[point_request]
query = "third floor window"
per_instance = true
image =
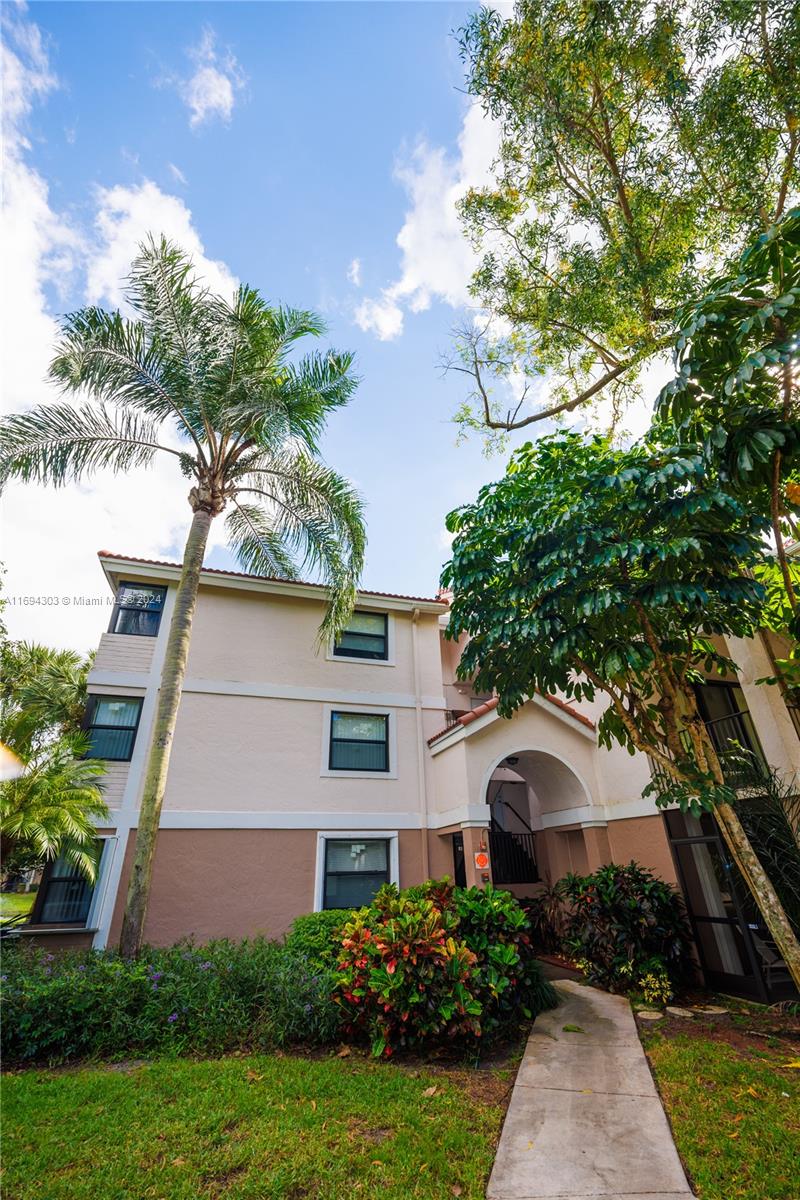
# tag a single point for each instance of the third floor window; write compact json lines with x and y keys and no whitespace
{"x":366,"y":636}
{"x":138,"y":609}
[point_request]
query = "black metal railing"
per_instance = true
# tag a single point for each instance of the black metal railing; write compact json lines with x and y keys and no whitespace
{"x":513,"y":857}
{"x":736,"y":742}
{"x":737,"y":746}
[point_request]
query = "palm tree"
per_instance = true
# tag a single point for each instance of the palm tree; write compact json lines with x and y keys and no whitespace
{"x":42,"y":692}
{"x":248,"y":415}
{"x":50,"y":806}
{"x":53,"y":808}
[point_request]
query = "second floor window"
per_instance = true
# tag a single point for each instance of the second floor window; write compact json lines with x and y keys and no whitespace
{"x":359,"y":742}
{"x":366,"y":636}
{"x":138,"y":609}
{"x":112,"y":725}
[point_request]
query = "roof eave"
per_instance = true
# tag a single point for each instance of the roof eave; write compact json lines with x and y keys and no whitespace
{"x":117,"y":567}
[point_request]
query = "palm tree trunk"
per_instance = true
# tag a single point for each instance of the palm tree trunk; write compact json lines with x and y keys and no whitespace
{"x":169,"y":697}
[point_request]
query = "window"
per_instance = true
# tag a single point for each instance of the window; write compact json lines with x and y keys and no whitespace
{"x":366,"y":636}
{"x":354,"y":870}
{"x":64,"y":896}
{"x":359,"y":742}
{"x":138,"y":609}
{"x":112,"y":727}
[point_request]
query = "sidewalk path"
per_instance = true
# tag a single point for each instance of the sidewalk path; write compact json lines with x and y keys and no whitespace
{"x":585,"y":1121}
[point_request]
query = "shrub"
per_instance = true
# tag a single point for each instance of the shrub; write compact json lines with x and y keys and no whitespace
{"x":316,"y":936}
{"x":624,"y":923}
{"x":546,"y":915}
{"x":509,"y":979}
{"x":436,"y":962}
{"x":185,"y":999}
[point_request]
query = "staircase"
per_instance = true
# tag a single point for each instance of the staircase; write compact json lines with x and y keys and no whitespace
{"x":513,"y":853}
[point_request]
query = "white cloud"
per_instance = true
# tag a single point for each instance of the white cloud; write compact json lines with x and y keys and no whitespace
{"x":210,"y":91}
{"x":437,"y":260}
{"x":125,"y":215}
{"x":354,"y":272}
{"x":177,"y":174}
{"x":51,"y":538}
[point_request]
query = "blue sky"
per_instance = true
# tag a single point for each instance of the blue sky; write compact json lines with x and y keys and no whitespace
{"x":288,"y":145}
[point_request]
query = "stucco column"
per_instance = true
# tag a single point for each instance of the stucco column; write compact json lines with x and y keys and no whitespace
{"x":598,"y":849}
{"x":476,"y":840}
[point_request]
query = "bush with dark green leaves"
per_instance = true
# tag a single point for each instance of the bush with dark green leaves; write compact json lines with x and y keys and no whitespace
{"x":623,"y":924}
{"x":316,"y":935}
{"x":436,"y":963}
{"x":186,"y":999}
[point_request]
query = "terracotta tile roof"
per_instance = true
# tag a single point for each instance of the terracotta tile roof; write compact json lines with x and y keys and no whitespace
{"x":156,"y":562}
{"x":473,"y":715}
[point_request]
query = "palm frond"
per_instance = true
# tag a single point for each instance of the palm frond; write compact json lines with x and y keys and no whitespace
{"x":320,"y":517}
{"x":56,"y":805}
{"x":56,"y":443}
{"x":119,"y":361}
{"x":257,"y":543}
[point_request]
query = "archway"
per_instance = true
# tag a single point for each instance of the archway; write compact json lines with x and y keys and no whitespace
{"x":538,"y":805}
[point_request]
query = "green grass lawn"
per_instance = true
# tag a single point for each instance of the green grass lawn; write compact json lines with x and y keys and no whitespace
{"x":270,"y":1126}
{"x":13,"y":903}
{"x":734,"y":1107}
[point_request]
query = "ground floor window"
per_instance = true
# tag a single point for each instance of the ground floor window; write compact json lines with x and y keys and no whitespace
{"x":355,"y":868}
{"x":65,"y":895}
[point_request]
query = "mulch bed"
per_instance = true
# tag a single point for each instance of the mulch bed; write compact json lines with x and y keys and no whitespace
{"x":748,"y":1028}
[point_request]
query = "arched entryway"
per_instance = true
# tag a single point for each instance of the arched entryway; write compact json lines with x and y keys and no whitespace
{"x":538,"y":804}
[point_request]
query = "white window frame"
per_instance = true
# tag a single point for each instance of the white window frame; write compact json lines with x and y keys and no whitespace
{"x":345,"y":835}
{"x":326,"y":772}
{"x":389,"y":661}
{"x":107,"y":854}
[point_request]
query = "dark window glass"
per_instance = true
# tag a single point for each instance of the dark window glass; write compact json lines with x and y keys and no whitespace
{"x":138,"y":609}
{"x":354,"y":871}
{"x":359,"y":742}
{"x":364,"y":637}
{"x":722,"y":707}
{"x":112,"y":727}
{"x":65,"y":895}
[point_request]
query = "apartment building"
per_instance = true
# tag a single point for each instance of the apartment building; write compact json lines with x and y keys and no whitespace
{"x":304,"y":777}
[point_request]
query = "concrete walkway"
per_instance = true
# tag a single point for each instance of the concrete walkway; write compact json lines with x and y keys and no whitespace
{"x":585,"y":1120}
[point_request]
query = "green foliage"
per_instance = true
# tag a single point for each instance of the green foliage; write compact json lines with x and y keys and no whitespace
{"x":316,"y":935}
{"x":655,"y":987}
{"x":545,"y":913}
{"x":186,"y":999}
{"x":589,"y":570}
{"x":419,"y":968}
{"x":642,"y":147}
{"x":42,"y":693}
{"x":54,"y":807}
{"x":735,"y":354}
{"x":627,"y":929}
{"x":737,"y":392}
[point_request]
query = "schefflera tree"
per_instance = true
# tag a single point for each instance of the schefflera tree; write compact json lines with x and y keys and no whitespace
{"x":593,"y":570}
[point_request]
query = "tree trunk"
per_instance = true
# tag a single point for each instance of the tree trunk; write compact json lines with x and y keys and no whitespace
{"x":757,"y":880}
{"x":169,"y":698}
{"x":759,"y":883}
